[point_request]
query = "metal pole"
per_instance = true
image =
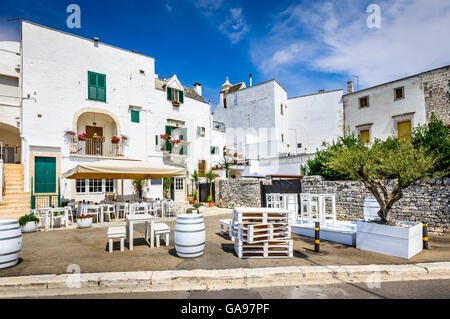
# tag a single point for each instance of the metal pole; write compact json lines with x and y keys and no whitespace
{"x":317,"y":238}
{"x":425,"y":235}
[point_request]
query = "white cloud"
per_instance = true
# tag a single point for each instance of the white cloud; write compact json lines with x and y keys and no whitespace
{"x":334,"y":38}
{"x":235,"y":27}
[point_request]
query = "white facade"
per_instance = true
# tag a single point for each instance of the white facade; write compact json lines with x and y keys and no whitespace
{"x":384,"y":111}
{"x":266,"y":127}
{"x":56,"y":67}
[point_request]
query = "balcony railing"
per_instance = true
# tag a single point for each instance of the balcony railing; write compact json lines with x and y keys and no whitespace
{"x":92,"y":147}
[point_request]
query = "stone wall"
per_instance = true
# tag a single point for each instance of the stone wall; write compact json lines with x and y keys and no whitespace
{"x":436,"y":87}
{"x":423,"y":201}
{"x":238,"y":193}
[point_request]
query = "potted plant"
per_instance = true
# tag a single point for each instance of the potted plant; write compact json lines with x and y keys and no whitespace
{"x":115,"y":140}
{"x":373,"y":166}
{"x":175,"y":103}
{"x":210,"y":201}
{"x":82,"y":137}
{"x":195,"y":197}
{"x":210,"y":176}
{"x":198,"y":206}
{"x":85,"y":221}
{"x":28,"y":223}
{"x":70,"y":134}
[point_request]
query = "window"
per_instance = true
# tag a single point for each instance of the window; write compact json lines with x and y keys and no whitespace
{"x":179,"y":184}
{"x":214,"y":150}
{"x":224,"y":102}
{"x":109,"y":185}
{"x":364,"y":101}
{"x":404,"y":131}
{"x":175,"y":95}
{"x":80,"y":186}
{"x":282,"y":109}
{"x":365,"y":136}
{"x":97,"y":86}
{"x":158,"y":181}
{"x":135,"y":116}
{"x":201,"y":131}
{"x":299,"y":145}
{"x":399,"y":93}
{"x":282,"y":138}
{"x":95,"y":186}
{"x":202,"y":168}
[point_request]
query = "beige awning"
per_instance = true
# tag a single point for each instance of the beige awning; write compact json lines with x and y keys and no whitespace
{"x":123,"y":169}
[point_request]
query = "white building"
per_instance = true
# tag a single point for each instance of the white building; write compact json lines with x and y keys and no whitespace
{"x":73,"y":85}
{"x":276,"y":134}
{"x":395,"y":108}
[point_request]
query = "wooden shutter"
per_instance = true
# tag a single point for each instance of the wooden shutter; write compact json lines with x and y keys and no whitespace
{"x":168,"y":145}
{"x":365,"y":136}
{"x":183,"y":137}
{"x":135,"y":116}
{"x":156,"y":140}
{"x":169,"y":94}
{"x":101,"y":87}
{"x":404,"y":131}
{"x":181,"y":96}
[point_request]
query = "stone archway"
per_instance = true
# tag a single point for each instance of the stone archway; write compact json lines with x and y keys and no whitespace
{"x":97,"y":111}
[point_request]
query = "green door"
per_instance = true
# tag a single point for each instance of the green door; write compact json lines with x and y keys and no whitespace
{"x":45,"y":175}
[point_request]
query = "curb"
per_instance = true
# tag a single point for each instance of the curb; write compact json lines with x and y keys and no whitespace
{"x":201,"y":279}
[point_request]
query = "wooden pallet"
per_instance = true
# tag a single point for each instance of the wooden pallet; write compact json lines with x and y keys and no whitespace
{"x":268,"y":249}
{"x":250,"y":235}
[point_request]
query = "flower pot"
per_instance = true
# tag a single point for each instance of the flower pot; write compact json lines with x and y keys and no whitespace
{"x":84,"y":223}
{"x":211,"y":204}
{"x":29,"y":227}
{"x":397,"y":241}
{"x":195,"y":201}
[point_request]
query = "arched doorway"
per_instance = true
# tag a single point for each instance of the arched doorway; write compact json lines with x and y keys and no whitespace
{"x":10,"y":144}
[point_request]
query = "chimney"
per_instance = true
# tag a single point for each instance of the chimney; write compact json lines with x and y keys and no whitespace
{"x":198,"y":88}
{"x":349,"y":87}
{"x":251,"y":80}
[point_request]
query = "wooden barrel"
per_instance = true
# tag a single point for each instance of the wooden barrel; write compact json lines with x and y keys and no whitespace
{"x":10,"y":243}
{"x":371,"y":208}
{"x":190,"y":235}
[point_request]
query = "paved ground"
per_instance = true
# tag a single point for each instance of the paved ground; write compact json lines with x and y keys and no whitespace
{"x":424,"y":289}
{"x":52,"y":252}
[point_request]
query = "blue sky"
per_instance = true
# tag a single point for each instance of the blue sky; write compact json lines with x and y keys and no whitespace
{"x":305,"y":45}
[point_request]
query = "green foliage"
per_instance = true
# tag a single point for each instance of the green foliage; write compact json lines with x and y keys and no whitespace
{"x":194,"y":195}
{"x":167,"y":183}
{"x":317,"y":165}
{"x":372,"y":165}
{"x":28,"y":218}
{"x":138,"y":186}
{"x":210,"y":199}
{"x":435,"y":137}
{"x":210,"y":177}
{"x":197,"y":206}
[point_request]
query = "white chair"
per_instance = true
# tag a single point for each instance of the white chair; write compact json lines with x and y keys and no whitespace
{"x":60,"y":216}
{"x":69,"y":212}
{"x":108,"y":210}
{"x":162,"y":229}
{"x":224,"y":223}
{"x":171,"y":208}
{"x":307,"y":207}
{"x":116,"y":232}
{"x":122,"y":210}
{"x":92,"y":210}
{"x":136,"y":209}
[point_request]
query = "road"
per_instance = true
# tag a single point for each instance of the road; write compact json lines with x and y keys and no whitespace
{"x":434,"y":289}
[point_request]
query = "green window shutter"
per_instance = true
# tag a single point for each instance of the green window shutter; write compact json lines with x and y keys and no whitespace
{"x":156,"y":140}
{"x":181,"y":96}
{"x":96,"y":86}
{"x":168,"y":145}
{"x":101,"y":87}
{"x":135,"y":116}
{"x":169,"y":94}
{"x":183,"y":137}
{"x":92,"y":85}
{"x":213,"y":150}
{"x":45,"y":175}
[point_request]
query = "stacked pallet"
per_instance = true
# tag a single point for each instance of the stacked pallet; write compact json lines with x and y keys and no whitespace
{"x":261,"y":233}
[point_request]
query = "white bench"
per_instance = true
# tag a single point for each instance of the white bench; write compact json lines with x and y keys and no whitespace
{"x":116,"y":232}
{"x":224,"y":223}
{"x":162,"y":229}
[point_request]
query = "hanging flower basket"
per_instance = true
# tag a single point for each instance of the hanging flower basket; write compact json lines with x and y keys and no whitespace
{"x":99,"y":139}
{"x":115,"y":140}
{"x":175,"y":103}
{"x":124,"y":138}
{"x":82,"y":137}
{"x":69,"y":133}
{"x":165,"y":136}
{"x":175,"y":141}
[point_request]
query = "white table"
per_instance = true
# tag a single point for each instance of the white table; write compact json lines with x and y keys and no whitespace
{"x":146,"y":219}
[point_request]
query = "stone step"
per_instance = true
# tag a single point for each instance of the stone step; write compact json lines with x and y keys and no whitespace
{"x":18,"y":195}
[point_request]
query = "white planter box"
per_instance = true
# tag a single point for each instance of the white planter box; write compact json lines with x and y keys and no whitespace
{"x":29,"y":227}
{"x":403,"y":242}
{"x":84,"y":223}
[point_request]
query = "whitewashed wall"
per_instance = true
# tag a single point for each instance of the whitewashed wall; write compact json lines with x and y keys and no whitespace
{"x":382,"y":107}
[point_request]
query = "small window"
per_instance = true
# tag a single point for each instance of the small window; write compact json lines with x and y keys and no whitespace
{"x":299,"y":145}
{"x":179,"y":184}
{"x":399,"y":93}
{"x":95,"y":186}
{"x":365,"y":136}
{"x":282,"y":109}
{"x":282,"y":138}
{"x":175,"y":95}
{"x":224,"y":102}
{"x":135,"y":116}
{"x":364,"y":101}
{"x":81,"y":186}
{"x":201,"y":131}
{"x":157,"y":181}
{"x":96,"y":86}
{"x":214,"y":150}
{"x":109,"y":185}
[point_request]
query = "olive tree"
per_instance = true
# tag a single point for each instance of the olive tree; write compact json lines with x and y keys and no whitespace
{"x":373,"y":165}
